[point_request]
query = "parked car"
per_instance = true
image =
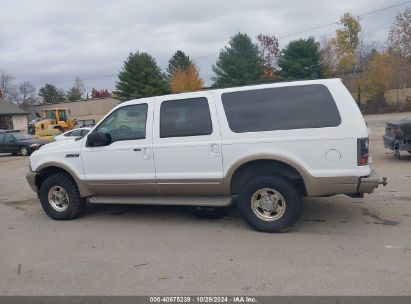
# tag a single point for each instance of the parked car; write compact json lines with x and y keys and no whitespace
{"x":397,"y":136}
{"x":19,"y":143}
{"x":72,"y":134}
{"x":262,"y":147}
{"x":81,"y":123}
{"x":9,"y":131}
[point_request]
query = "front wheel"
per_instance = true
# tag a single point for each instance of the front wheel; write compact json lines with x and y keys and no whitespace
{"x":60,"y":198}
{"x":269,"y":203}
{"x":24,"y":151}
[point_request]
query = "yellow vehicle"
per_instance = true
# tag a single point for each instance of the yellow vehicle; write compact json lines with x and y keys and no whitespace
{"x":52,"y":123}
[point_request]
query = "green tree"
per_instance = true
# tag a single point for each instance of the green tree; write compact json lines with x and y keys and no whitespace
{"x":301,"y":59}
{"x":50,"y":94}
{"x":140,"y":77}
{"x":238,"y":64}
{"x":178,"y":61}
{"x":74,"y":94}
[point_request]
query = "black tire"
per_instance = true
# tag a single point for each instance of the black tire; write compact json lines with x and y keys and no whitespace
{"x":76,"y":204}
{"x":24,"y":151}
{"x":289,"y":192}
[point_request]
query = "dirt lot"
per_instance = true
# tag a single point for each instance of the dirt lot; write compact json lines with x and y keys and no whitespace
{"x":340,"y":246}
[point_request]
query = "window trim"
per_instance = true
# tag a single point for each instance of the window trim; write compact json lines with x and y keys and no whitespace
{"x":185,"y":99}
{"x":118,"y":109}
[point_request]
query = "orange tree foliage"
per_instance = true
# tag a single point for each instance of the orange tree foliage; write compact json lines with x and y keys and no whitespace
{"x":377,"y":75}
{"x":187,"y":80}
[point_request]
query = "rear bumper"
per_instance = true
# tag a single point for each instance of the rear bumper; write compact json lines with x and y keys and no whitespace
{"x":31,"y":179}
{"x":369,"y":183}
{"x":397,"y":144}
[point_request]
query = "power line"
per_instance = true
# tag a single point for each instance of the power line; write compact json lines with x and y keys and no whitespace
{"x":337,"y":22}
{"x":280,"y":37}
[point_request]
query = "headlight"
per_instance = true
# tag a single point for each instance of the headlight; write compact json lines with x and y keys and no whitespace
{"x":34,"y":146}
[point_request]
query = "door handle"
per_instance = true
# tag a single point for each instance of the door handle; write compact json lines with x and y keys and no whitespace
{"x":137,"y":149}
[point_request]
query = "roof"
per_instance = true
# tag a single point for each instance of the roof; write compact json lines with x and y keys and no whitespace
{"x":235,"y":89}
{"x":8,"y":108}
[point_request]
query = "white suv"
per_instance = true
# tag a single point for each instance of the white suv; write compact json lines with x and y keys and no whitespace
{"x":262,"y":147}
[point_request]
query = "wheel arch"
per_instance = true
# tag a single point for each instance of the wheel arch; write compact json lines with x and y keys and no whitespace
{"x":48,"y":169}
{"x":252,"y":166}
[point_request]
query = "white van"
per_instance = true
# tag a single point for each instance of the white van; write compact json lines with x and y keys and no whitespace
{"x":262,"y":147}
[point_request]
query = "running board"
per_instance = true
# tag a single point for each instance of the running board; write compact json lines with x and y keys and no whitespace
{"x":212,"y":201}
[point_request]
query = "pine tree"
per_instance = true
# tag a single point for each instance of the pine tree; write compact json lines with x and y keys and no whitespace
{"x":238,"y":64}
{"x":50,"y":94}
{"x":140,"y":77}
{"x":74,"y":94}
{"x":178,"y":61}
{"x":301,"y":59}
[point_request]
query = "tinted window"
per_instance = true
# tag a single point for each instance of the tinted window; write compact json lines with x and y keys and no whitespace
{"x":126,"y":123}
{"x":75,"y":133}
{"x":296,"y":107}
{"x":185,"y":117}
{"x":1,"y":137}
{"x":8,"y":138}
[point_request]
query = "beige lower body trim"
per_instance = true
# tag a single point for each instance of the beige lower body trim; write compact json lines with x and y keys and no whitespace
{"x":198,"y":187}
{"x":323,"y":186}
{"x":115,"y":188}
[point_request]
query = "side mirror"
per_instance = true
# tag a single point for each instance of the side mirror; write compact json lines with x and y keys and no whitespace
{"x":98,"y":139}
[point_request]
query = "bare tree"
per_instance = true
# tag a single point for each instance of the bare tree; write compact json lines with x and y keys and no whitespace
{"x":27,"y":94}
{"x":6,"y":85}
{"x":399,"y":40}
{"x":328,"y":56}
{"x":79,"y":85}
{"x":400,"y":33}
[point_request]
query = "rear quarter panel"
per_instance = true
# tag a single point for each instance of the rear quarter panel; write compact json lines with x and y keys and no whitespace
{"x":305,"y":147}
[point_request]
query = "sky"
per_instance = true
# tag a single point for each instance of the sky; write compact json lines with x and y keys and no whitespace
{"x":47,"y":41}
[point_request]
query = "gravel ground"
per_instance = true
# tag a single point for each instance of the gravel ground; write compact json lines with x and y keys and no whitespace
{"x":340,"y":246}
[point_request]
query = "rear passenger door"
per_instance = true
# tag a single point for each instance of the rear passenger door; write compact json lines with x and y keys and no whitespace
{"x":187,"y":146}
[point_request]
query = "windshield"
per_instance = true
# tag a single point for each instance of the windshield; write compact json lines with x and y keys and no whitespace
{"x":22,"y":136}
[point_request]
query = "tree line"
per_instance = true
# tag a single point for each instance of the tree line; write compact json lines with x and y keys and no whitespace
{"x":368,"y":68}
{"x":25,"y":94}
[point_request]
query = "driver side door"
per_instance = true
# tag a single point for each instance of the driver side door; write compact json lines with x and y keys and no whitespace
{"x":126,"y":165}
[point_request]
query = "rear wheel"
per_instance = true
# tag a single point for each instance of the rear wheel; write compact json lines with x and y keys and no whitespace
{"x":60,"y":198}
{"x":269,"y":203}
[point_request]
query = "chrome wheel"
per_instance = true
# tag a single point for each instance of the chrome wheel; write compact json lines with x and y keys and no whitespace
{"x":24,"y":151}
{"x":58,"y":198}
{"x":268,"y":204}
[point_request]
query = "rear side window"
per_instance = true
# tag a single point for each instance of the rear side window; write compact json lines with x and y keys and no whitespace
{"x":185,"y":117}
{"x":285,"y":108}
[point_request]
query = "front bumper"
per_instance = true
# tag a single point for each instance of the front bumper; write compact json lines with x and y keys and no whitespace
{"x":369,"y":183}
{"x":31,"y":179}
